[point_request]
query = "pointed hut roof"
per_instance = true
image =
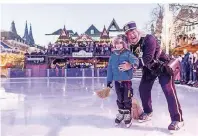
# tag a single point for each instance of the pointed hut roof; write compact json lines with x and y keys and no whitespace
{"x":113,"y":26}
{"x":92,"y":31}
{"x":104,"y":37}
{"x":64,"y":36}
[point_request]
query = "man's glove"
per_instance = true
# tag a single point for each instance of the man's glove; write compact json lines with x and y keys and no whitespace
{"x":104,"y":93}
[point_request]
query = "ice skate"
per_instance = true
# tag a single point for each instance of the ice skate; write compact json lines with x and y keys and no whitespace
{"x":145,"y":117}
{"x":189,"y":82}
{"x":119,"y":117}
{"x":176,"y":126}
{"x":195,"y":84}
{"x":127,"y":118}
{"x":192,"y":83}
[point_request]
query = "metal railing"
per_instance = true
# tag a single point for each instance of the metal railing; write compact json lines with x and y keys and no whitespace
{"x":64,"y":73}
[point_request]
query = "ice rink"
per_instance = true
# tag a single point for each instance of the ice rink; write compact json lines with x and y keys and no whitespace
{"x":69,"y":107}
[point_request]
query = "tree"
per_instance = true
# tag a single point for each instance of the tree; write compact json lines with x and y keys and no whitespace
{"x":155,"y":15}
{"x":188,"y":17}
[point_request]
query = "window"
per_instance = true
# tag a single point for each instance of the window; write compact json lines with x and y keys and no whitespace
{"x":193,"y":27}
{"x":92,"y":31}
{"x":189,"y":28}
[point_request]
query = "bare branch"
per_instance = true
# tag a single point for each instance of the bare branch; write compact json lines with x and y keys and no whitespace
{"x":189,"y":18}
{"x":188,"y":22}
{"x":195,"y":6}
{"x":154,"y":17}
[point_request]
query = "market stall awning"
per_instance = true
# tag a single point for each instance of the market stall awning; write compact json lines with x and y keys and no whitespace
{"x":4,"y":45}
{"x":189,"y":48}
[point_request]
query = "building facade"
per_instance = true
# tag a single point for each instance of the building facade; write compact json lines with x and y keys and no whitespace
{"x":93,"y":32}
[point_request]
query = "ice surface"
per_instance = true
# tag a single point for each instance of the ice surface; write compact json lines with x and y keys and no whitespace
{"x":60,"y":107}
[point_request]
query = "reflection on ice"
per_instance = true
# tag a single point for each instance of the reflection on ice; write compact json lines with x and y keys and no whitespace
{"x":59,"y":106}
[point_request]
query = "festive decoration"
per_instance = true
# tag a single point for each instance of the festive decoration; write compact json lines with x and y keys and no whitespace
{"x":10,"y":60}
{"x":84,"y":38}
{"x":8,"y":65}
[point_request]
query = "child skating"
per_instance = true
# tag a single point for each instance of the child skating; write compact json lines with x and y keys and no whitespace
{"x":123,"y":84}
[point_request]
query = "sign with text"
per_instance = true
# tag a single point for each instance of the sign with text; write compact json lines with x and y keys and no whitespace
{"x":35,"y":59}
{"x":82,"y":54}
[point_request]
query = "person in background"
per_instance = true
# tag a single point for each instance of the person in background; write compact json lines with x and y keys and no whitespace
{"x":186,"y":66}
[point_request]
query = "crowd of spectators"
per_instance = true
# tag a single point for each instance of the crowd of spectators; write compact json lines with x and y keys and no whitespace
{"x":66,"y":49}
{"x":189,"y":61}
{"x":189,"y":69}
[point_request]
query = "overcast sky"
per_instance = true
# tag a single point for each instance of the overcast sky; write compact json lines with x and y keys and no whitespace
{"x":47,"y":18}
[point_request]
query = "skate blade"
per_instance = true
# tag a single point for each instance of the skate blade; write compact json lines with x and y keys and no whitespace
{"x":142,"y":121}
{"x":129,"y":125}
{"x":117,"y":124}
{"x":177,"y":131}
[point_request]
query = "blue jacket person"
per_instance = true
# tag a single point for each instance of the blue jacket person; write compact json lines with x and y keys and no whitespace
{"x":123,"y":84}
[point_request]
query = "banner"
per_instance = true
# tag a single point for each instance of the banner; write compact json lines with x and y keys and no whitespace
{"x":35,"y":59}
{"x":82,"y":54}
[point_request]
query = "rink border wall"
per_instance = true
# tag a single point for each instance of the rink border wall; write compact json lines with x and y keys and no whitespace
{"x":60,"y":78}
{"x":64,"y":73}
